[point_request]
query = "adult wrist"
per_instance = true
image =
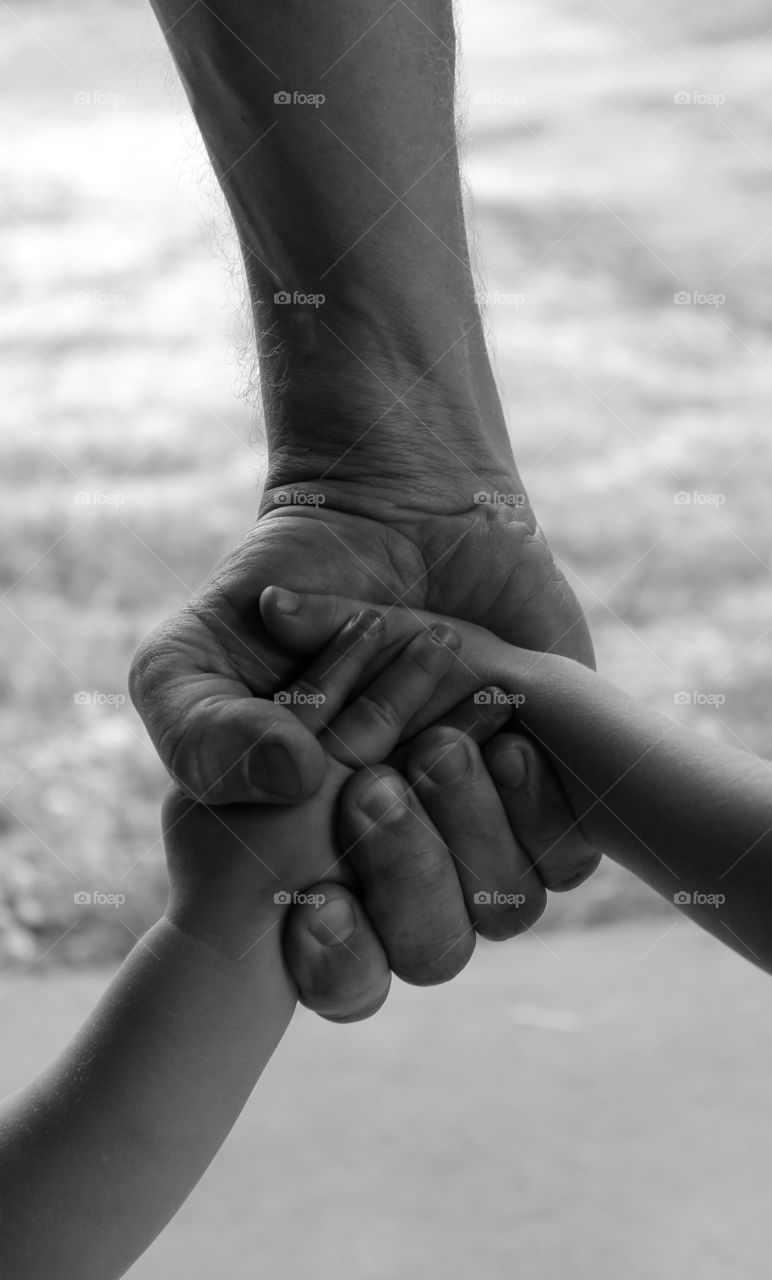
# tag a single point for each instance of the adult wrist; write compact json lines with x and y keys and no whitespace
{"x":381,"y":415}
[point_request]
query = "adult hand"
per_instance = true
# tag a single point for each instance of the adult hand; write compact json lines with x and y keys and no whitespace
{"x":346,"y":983}
{"x":501,"y":815}
{"x":203,"y":680}
{"x":235,"y":869}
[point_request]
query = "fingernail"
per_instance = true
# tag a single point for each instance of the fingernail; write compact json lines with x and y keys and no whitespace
{"x":445,"y":635}
{"x":333,"y":922}
{"x":285,"y":601}
{"x":271,"y":768}
{"x":366,"y":622}
{"x":509,"y":767}
{"x":449,"y":766}
{"x":384,"y":800}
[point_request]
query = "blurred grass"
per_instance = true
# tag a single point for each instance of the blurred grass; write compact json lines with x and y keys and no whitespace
{"x":597,"y":199}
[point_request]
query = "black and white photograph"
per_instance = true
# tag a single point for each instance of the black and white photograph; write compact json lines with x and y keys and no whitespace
{"x":386,"y":585}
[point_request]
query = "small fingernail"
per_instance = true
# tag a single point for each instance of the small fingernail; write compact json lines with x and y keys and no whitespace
{"x":445,"y":635}
{"x":364,"y":623}
{"x":285,"y":601}
{"x":333,"y":922}
{"x":509,"y":767}
{"x":450,"y":765}
{"x":384,"y":800}
{"x":271,"y":768}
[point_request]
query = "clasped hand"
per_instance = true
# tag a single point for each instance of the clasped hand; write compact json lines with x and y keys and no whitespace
{"x":412,"y":845}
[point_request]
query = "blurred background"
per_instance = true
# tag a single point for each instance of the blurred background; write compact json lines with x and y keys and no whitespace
{"x":592,"y":1100}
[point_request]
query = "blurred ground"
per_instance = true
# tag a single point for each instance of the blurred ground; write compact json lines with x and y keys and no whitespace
{"x":125,"y":450}
{"x":452,"y":1136}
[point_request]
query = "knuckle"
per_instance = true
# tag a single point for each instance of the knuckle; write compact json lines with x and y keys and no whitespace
{"x":438,"y":737}
{"x":402,"y":869}
{"x":430,"y":744}
{"x":158,"y":655}
{"x":386,"y":864}
{"x":139,"y":671}
{"x":427,"y":653}
{"x":196,"y":755}
{"x":179,"y":751}
{"x":381,"y":711}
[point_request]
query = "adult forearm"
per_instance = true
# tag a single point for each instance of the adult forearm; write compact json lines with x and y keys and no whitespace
{"x":332,"y":131}
{"x":99,"y":1152}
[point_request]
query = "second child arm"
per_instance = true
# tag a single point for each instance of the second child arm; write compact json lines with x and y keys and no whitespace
{"x":685,"y":814}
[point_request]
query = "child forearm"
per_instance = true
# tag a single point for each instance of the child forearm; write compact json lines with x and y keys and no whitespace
{"x":99,"y":1152}
{"x":685,"y":814}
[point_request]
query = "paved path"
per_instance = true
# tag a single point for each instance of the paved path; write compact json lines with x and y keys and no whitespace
{"x":594,"y":1105}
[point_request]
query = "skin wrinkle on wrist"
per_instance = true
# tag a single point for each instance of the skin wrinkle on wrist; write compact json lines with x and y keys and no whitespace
{"x":234,"y":933}
{"x":346,"y":427}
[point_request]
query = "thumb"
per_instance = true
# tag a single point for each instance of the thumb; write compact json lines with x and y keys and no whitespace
{"x":219,"y":742}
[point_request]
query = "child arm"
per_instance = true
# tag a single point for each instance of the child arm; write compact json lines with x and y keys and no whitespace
{"x":691,"y":817}
{"x":99,"y":1152}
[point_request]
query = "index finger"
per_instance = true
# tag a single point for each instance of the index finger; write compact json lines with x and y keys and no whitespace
{"x":320,"y":691}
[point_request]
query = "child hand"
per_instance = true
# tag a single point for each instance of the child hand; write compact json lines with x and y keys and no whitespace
{"x":235,"y":869}
{"x":539,"y":813}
